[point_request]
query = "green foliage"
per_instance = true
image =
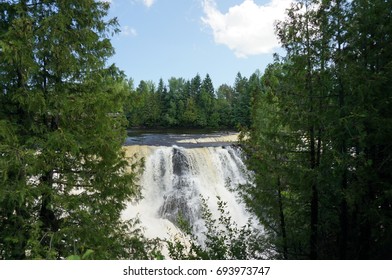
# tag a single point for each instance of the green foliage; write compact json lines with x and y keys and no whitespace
{"x":64,"y":178}
{"x":191,"y":104}
{"x":221,"y":239}
{"x":318,"y":141}
{"x":316,"y":127}
{"x":86,"y":256}
{"x":241,"y":102}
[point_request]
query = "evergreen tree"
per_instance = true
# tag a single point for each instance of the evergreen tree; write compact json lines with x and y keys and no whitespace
{"x":64,"y":178}
{"x":195,"y":86}
{"x":318,"y":140}
{"x":241,"y":102}
{"x":206,"y":104}
{"x":224,"y":105}
{"x":367,"y":120}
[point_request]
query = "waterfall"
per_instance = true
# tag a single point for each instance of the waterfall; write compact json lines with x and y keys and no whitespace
{"x":175,"y":178}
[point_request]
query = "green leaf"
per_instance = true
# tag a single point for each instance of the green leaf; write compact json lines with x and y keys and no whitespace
{"x":73,"y":258}
{"x":88,"y":254}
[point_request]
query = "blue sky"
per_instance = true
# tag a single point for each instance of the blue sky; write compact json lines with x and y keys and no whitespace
{"x":180,"y":38}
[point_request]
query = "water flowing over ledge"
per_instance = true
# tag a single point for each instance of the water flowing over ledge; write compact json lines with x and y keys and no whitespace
{"x":176,"y":177}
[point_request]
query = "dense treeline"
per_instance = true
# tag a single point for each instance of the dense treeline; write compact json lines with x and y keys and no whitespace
{"x":320,"y":140}
{"x":190,"y":104}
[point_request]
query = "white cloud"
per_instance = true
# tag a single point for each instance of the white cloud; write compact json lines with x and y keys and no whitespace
{"x":128,"y":31}
{"x":148,"y":3}
{"x":248,"y":28}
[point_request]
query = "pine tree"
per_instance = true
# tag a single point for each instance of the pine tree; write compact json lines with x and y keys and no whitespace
{"x":266,"y":145}
{"x":368,"y":128}
{"x":64,"y":178}
{"x":241,"y":102}
{"x":206,"y":103}
{"x":318,"y":143}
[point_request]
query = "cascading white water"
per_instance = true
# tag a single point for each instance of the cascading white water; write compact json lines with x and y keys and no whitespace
{"x":174,"y":179}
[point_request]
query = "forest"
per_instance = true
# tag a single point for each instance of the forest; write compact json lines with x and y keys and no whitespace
{"x":315,"y":126}
{"x":190,"y":104}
